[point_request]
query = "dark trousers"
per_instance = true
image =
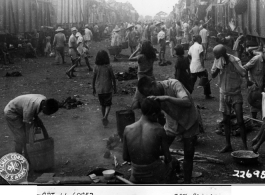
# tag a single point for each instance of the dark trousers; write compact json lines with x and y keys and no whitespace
{"x":207,"y":88}
{"x":60,"y":50}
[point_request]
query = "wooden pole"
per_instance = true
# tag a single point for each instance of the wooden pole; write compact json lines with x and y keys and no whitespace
{"x":254,"y":119}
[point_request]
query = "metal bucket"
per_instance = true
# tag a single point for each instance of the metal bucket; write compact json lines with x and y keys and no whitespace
{"x":125,"y":45}
{"x":124,"y":118}
{"x":203,"y":82}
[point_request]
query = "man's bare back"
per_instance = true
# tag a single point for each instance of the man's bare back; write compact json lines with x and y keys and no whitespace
{"x":143,"y":142}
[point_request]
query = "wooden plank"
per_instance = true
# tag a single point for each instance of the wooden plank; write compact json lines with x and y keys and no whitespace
{"x":66,"y":180}
{"x":47,"y":175}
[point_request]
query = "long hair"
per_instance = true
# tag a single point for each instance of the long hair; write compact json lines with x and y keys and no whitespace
{"x":148,"y":50}
{"x":102,"y":58}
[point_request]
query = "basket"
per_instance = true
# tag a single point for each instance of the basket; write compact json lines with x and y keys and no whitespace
{"x":185,"y":46}
{"x":41,"y":152}
{"x":114,"y":50}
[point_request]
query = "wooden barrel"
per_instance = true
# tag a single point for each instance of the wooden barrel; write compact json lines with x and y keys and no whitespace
{"x":124,"y":118}
{"x":41,"y":152}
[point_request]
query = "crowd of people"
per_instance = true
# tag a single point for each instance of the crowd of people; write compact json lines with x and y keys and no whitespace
{"x":168,"y":108}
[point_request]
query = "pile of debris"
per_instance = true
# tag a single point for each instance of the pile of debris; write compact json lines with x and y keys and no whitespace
{"x":235,"y":129}
{"x":113,"y":141}
{"x":128,"y":89}
{"x":13,"y":74}
{"x":70,"y":103}
{"x":131,"y":74}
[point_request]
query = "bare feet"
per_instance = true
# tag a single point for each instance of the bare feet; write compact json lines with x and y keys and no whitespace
{"x":227,"y":148}
{"x":254,"y":141}
{"x":105,"y":122}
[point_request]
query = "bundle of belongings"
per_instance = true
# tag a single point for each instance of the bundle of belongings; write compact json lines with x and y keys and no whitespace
{"x":70,"y":103}
{"x":131,"y":74}
{"x":235,"y":129}
{"x":13,"y":74}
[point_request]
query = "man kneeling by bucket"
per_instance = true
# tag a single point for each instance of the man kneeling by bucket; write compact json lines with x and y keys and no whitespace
{"x":21,"y":114}
{"x":142,"y":145}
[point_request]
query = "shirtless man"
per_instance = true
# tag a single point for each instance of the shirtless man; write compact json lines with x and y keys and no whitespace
{"x":182,"y":117}
{"x":142,"y":145}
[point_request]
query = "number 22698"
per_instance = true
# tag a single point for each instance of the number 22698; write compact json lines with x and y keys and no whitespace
{"x":249,"y":174}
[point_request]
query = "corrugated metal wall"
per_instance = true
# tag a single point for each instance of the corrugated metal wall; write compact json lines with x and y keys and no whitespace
{"x":25,"y":15}
{"x":17,"y":16}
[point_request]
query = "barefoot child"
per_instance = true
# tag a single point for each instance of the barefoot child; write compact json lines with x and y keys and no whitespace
{"x":103,"y":83}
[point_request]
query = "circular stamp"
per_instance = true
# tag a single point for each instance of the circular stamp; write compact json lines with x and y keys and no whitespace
{"x":14,"y":167}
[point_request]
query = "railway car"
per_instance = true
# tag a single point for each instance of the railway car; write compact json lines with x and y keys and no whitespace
{"x":242,"y":16}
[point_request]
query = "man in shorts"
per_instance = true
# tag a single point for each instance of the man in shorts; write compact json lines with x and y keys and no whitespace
{"x":181,"y":115}
{"x":21,"y":114}
{"x":142,"y":143}
{"x":74,"y":54}
{"x":230,"y":73}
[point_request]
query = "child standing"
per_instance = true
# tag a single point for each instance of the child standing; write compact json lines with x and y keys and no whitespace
{"x":103,"y":83}
{"x":48,"y":48}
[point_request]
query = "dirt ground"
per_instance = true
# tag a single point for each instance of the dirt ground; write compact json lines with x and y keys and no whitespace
{"x":79,"y":134}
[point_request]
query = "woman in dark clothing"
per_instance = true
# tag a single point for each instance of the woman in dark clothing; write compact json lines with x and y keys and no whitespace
{"x":182,"y":69}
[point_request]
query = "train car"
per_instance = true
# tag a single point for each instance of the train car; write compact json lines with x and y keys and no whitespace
{"x":80,"y":12}
{"x":18,"y":16}
{"x":242,"y":16}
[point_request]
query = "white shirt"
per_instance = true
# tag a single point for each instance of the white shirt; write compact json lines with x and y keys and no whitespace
{"x":80,"y":47}
{"x":204,"y":34}
{"x":186,"y":27}
{"x":161,"y":35}
{"x":88,"y":34}
{"x":25,"y":106}
{"x":194,"y":52}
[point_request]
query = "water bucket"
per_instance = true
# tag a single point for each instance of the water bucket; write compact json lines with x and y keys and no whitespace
{"x":41,"y":152}
{"x":125,"y":45}
{"x":124,"y":118}
{"x":203,"y":82}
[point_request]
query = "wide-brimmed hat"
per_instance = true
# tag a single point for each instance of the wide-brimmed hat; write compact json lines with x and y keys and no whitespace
{"x":116,"y":29}
{"x":130,"y":26}
{"x":78,"y":34}
{"x":59,"y":29}
{"x":157,"y":23}
{"x":74,"y":29}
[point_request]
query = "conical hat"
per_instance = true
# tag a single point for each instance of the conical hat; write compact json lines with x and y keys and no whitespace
{"x":59,"y":29}
{"x":130,"y":26}
{"x":157,"y":23}
{"x":116,"y":29}
{"x":74,"y":28}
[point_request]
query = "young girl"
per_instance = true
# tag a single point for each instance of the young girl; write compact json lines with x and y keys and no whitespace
{"x":48,"y":48}
{"x":104,"y":83}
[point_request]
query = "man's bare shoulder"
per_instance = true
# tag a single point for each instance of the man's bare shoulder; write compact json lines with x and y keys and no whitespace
{"x":131,"y":127}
